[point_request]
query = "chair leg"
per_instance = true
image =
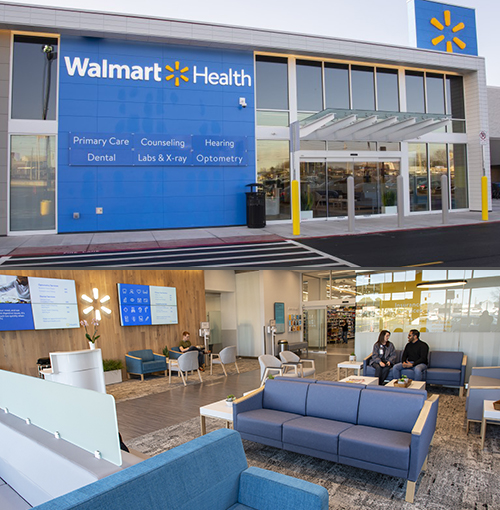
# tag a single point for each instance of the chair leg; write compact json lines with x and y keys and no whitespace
{"x":142,"y":377}
{"x":237,"y":369}
{"x":461,"y":391}
{"x":410,"y":491}
{"x":211,"y":364}
{"x":182,"y":375}
{"x":199,"y":375}
{"x":223,"y":369}
{"x":169,"y":375}
{"x":166,"y":372}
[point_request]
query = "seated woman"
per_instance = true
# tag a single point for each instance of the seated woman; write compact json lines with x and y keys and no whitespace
{"x":383,"y":356}
{"x":185,"y":346}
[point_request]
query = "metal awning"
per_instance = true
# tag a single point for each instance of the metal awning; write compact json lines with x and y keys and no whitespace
{"x":373,"y":126}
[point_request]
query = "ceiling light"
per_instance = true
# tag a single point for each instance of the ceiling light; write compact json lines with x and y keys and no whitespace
{"x":441,"y":284}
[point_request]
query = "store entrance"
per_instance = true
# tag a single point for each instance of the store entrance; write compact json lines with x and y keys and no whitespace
{"x":340,"y":329}
{"x":323,"y":187}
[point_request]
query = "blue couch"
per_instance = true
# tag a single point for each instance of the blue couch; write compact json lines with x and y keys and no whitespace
{"x":208,"y":473}
{"x":144,"y":362}
{"x":343,"y":423}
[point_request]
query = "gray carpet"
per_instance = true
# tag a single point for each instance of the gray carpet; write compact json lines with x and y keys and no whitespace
{"x":154,"y":383}
{"x":459,"y":474}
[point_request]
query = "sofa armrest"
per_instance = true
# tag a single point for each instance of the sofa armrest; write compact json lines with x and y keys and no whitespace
{"x":421,"y":436}
{"x":133,"y":364}
{"x":159,"y":356}
{"x":174,"y":354}
{"x":365,"y":363}
{"x":492,"y":372}
{"x":463,"y":368}
{"x":267,"y":490}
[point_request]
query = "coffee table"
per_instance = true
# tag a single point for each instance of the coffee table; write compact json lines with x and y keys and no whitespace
{"x":489,"y":414}
{"x":359,"y":379}
{"x":355,"y":365}
{"x":216,"y":410}
{"x":415,"y":385}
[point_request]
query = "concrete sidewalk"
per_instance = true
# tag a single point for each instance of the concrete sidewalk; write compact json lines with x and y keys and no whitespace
{"x":175,"y":238}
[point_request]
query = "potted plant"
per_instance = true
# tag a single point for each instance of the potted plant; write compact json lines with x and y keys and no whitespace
{"x":306,"y":204}
{"x":91,"y":338}
{"x":389,"y":202}
{"x":165,"y":351}
{"x":112,"y":371}
{"x":230,"y":399}
{"x":352,"y":357}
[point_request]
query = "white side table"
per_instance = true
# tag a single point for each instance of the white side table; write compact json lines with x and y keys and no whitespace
{"x":359,"y":379}
{"x":355,"y":365}
{"x":216,"y":410}
{"x":489,"y":414}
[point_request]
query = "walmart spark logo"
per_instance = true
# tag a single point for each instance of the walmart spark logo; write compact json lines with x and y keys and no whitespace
{"x":447,"y":21}
{"x":176,"y":73}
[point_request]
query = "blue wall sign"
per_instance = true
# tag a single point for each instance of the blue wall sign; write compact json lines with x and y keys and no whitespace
{"x":171,"y":110}
{"x":445,"y":27}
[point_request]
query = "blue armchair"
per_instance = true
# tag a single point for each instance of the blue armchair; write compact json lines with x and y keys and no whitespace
{"x":144,"y":362}
{"x":447,"y":368}
{"x":484,"y":384}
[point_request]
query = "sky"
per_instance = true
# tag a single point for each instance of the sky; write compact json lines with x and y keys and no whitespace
{"x":384,"y":21}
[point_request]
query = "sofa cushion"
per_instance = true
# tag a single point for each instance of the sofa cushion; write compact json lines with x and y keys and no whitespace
{"x":286,"y":396}
{"x":144,"y":354}
{"x":333,"y":402}
{"x":389,"y":410}
{"x":444,"y":375}
{"x":377,"y":446}
{"x":264,"y":422}
{"x":153,"y":366}
{"x":315,"y":433}
{"x":445,"y":359}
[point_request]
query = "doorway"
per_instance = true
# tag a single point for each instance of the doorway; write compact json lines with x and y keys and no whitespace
{"x":323,"y":187}
{"x":341,"y":324}
{"x":315,"y":328}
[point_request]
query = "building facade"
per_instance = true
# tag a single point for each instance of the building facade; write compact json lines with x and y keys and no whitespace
{"x":113,"y":122}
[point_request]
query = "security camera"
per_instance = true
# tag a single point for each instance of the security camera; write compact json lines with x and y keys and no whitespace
{"x":243,"y":102}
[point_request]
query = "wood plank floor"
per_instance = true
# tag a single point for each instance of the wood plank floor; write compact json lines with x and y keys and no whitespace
{"x":146,"y":414}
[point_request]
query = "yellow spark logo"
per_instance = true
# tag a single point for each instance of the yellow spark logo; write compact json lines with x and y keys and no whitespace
{"x":447,"y":22}
{"x":177,"y":73}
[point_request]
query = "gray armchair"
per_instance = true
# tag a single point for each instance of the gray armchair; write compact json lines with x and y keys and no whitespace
{"x":484,"y":384}
{"x":185,"y":363}
{"x":225,"y":357}
{"x":292,"y":358}
{"x":271,"y":365}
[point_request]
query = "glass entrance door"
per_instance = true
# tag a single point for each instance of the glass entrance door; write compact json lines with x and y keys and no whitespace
{"x":315,"y":328}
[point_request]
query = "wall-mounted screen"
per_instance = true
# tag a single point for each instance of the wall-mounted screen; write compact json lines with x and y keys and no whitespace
{"x":147,"y":305}
{"x":37,"y":303}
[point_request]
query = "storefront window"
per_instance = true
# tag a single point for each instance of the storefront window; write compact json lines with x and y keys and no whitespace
{"x":363,"y":89}
{"x":273,"y":171}
{"x":313,"y":197}
{"x":271,"y":77}
{"x":438,"y":166}
{"x":337,"y":85}
{"x":309,"y":88}
{"x":458,"y":175}
{"x":32,"y":183}
{"x":415,"y":102}
{"x":435,"y":93}
{"x":34,"y":78}
{"x":455,"y":102}
{"x":387,"y":90}
{"x":419,"y":181}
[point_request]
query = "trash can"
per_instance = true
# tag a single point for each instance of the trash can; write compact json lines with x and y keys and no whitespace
{"x":283,"y":345}
{"x":256,"y":206}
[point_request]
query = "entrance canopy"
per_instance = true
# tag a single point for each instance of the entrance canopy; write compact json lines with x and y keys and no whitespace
{"x":364,"y":125}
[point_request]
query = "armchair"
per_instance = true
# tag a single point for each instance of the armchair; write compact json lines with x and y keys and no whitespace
{"x":447,"y":368}
{"x":145,"y":361}
{"x":270,"y":365}
{"x":185,"y":363}
{"x":290,"y":357}
{"x":226,"y":356}
{"x":484,"y":384}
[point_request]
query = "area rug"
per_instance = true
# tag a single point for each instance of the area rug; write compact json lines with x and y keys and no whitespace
{"x":153,"y":383}
{"x":459,"y":474}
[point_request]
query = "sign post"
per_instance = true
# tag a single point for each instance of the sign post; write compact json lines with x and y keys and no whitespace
{"x":483,"y":140}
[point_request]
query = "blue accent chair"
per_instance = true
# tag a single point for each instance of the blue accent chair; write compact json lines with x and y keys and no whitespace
{"x":144,"y":362}
{"x":219,"y":479}
{"x":174,"y":353}
{"x":484,"y":384}
{"x":447,"y":368}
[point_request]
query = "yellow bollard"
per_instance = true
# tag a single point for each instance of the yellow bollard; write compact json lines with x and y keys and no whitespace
{"x":484,"y":197}
{"x":295,"y":208}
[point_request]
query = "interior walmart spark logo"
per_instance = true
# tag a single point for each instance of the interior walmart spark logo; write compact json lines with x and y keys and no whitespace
{"x":447,"y":22}
{"x":176,"y":73}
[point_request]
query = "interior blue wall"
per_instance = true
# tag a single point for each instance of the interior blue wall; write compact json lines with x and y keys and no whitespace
{"x":152,"y":197}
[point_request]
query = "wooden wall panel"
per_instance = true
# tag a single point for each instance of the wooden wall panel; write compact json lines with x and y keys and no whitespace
{"x":19,"y":350}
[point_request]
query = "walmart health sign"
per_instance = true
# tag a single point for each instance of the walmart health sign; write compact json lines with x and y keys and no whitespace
{"x":443,"y":27}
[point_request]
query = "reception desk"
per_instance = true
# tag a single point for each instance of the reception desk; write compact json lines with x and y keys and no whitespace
{"x":77,"y":368}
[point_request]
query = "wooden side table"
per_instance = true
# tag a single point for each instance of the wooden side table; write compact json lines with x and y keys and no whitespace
{"x":489,"y":414}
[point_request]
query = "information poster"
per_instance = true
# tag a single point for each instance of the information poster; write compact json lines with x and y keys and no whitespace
{"x":147,"y":305}
{"x":279,"y":317}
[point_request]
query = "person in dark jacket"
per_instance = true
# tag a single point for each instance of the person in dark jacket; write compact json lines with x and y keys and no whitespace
{"x":414,"y":357}
{"x":383,"y":356}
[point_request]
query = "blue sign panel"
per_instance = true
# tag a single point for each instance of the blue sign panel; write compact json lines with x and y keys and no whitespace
{"x":135,"y":307}
{"x":445,"y":27}
{"x":219,"y":150}
{"x":16,"y":317}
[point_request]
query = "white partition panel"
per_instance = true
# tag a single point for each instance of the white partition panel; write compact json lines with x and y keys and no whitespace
{"x":85,"y":418}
